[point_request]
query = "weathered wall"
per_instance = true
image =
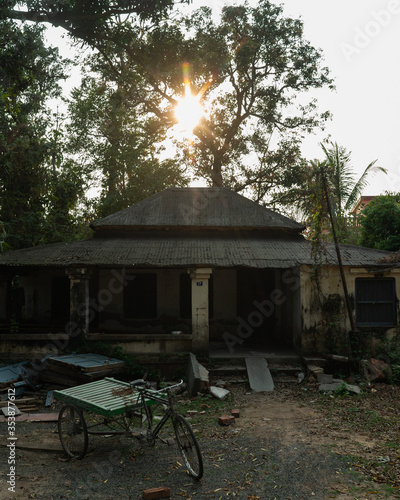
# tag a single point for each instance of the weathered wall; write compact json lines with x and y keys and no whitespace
{"x":324,"y":317}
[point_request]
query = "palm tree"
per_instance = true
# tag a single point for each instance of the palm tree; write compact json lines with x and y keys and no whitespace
{"x":306,"y":200}
{"x":342,"y":184}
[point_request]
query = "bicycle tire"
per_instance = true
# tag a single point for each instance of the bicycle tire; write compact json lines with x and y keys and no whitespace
{"x":188,"y":446}
{"x":72,"y":431}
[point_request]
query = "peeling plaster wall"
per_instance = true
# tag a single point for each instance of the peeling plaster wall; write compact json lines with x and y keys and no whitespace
{"x":324,"y":316}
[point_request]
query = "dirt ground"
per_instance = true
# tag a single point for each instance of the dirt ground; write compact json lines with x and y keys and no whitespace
{"x":293,"y":443}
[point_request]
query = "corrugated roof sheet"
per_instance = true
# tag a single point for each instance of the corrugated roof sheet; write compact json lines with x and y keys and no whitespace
{"x":197,"y":207}
{"x":176,"y":251}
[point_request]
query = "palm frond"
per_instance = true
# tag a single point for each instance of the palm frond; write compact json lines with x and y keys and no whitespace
{"x":362,"y":183}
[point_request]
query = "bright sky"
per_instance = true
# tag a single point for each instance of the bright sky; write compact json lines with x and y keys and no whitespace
{"x":360,"y":40}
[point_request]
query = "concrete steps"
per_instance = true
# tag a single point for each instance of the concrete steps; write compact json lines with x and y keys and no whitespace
{"x":283,"y":367}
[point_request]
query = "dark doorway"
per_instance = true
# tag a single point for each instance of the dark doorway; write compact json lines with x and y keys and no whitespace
{"x":255,"y":309}
{"x":60,"y":302}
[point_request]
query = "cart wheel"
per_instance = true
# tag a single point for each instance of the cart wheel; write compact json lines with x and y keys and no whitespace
{"x":188,"y":446}
{"x":73,"y":431}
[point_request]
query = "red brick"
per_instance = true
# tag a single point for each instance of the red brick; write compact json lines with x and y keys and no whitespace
{"x":226,"y":420}
{"x":235,"y":413}
{"x":154,"y":493}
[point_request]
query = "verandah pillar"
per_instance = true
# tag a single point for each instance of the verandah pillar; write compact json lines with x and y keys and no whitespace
{"x":200,"y":326}
{"x":78,"y":326}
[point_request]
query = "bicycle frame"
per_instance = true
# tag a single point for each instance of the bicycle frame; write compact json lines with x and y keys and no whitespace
{"x":169,"y":412}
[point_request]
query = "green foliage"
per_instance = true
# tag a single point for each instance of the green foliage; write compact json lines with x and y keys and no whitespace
{"x":259,"y":65}
{"x":109,"y":130}
{"x":343,"y":190}
{"x":249,"y":69}
{"x":39,"y":190}
{"x":380,"y":224}
{"x":132,"y":369}
{"x":342,"y":390}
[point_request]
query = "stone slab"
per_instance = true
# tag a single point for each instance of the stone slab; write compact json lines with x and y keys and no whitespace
{"x":218,"y":392}
{"x":260,"y":378}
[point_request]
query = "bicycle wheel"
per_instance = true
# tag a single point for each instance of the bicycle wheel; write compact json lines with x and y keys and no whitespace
{"x":73,"y":431}
{"x":188,"y":446}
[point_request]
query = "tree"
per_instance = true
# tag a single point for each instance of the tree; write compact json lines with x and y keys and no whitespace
{"x":116,"y":144}
{"x":84,"y":19}
{"x":263,"y":64}
{"x":33,"y":179}
{"x":249,"y":69}
{"x":342,"y":185}
{"x":380,"y":223}
{"x":344,"y":188}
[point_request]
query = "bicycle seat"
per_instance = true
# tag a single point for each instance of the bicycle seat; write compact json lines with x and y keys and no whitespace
{"x":138,"y":383}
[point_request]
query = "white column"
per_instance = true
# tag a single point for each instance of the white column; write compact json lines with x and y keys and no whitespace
{"x":200,"y":327}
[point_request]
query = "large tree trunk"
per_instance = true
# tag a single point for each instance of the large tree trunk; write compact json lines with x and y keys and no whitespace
{"x":216,"y":172}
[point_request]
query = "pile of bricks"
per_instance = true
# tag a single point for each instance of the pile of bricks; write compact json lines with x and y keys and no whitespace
{"x":226,"y":420}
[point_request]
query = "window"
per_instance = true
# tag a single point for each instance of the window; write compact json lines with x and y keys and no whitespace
{"x":375,"y":302}
{"x":185,"y":296}
{"x":140,"y":297}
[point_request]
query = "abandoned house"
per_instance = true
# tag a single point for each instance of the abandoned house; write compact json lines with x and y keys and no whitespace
{"x":187,"y":268}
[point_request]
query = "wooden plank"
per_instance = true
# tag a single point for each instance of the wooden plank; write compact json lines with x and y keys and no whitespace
{"x":260,"y":378}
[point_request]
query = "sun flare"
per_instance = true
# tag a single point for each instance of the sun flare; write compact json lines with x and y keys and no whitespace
{"x":188,"y":111}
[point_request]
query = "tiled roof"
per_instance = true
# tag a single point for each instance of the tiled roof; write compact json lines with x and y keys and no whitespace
{"x":177,"y":251}
{"x":197,"y":207}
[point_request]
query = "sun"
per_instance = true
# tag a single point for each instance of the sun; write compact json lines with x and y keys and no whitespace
{"x":189,"y":111}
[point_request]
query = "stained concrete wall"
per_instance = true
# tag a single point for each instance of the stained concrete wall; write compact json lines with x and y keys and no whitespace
{"x":324,"y":317}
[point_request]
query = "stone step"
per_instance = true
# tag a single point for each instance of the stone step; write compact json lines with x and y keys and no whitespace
{"x":241,"y":370}
{"x":260,"y":378}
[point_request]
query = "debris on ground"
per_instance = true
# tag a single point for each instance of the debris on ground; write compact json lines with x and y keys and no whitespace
{"x":77,"y":369}
{"x":156,"y":493}
{"x":226,"y":420}
{"x":197,"y":376}
{"x":375,"y":370}
{"x":218,"y":392}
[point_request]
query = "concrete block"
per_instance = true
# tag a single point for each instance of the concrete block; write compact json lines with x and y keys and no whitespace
{"x":324,"y":378}
{"x":329,"y":387}
{"x":155,"y":493}
{"x":235,"y":413}
{"x":197,"y":376}
{"x":218,"y":392}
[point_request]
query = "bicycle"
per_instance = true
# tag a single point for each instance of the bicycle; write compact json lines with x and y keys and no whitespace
{"x":128,"y":409}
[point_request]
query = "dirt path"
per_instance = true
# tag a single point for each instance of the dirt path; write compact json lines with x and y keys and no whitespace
{"x":280,"y":447}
